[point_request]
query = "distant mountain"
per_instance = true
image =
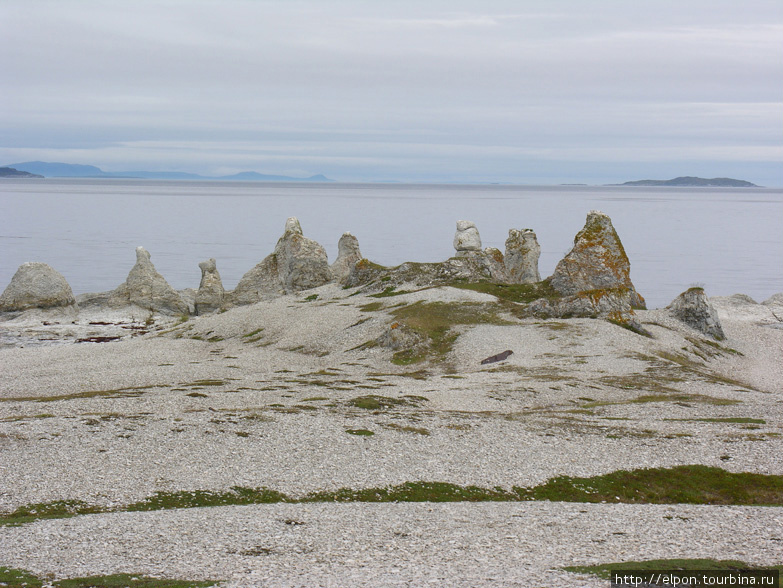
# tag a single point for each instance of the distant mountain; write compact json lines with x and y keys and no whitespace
{"x":692,"y":181}
{"x":10,"y":172}
{"x":70,"y":170}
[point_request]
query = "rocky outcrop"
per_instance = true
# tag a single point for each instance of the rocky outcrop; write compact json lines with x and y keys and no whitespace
{"x":209,"y":297}
{"x":692,"y":308}
{"x":147,"y":289}
{"x":297,"y":263}
{"x":36,"y":285}
{"x":741,"y":307}
{"x":348,"y":254}
{"x":521,"y":259}
{"x":476,"y":266}
{"x":467,"y":237}
{"x":597,"y":261}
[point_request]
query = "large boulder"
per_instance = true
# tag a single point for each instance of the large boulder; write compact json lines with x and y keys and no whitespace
{"x":597,"y":261}
{"x":146,"y":288}
{"x":297,"y":263}
{"x":348,"y":254}
{"x":521,"y":259}
{"x":36,"y":285}
{"x":209,"y":297}
{"x":467,"y":237}
{"x":692,"y":308}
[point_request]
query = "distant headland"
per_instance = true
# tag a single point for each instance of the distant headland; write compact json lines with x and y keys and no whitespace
{"x":42,"y":169}
{"x":693,"y":181}
{"x":10,"y":172}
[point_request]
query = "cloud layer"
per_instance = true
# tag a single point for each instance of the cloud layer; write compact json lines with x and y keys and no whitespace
{"x":453,"y":91}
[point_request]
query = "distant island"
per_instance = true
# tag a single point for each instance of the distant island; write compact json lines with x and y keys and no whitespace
{"x":41,"y":169}
{"x":692,"y":181}
{"x":10,"y":172}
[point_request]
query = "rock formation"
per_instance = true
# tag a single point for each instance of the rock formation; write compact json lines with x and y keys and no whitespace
{"x":297,"y":263}
{"x":36,"y":285}
{"x":597,"y":261}
{"x":692,"y":308}
{"x":521,"y":259}
{"x":209,"y":297}
{"x":467,"y":237}
{"x":348,"y":254}
{"x":146,"y":288}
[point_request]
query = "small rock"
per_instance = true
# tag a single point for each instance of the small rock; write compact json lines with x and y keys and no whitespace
{"x":498,"y":357}
{"x":692,"y":308}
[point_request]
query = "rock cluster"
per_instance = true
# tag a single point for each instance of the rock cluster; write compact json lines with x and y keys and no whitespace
{"x":36,"y":285}
{"x":592,"y":280}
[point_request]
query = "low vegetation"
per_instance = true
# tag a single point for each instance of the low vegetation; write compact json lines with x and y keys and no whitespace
{"x":695,"y":484}
{"x":13,"y":578}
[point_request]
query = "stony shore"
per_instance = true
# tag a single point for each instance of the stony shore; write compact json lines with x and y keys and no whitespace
{"x":267,"y":395}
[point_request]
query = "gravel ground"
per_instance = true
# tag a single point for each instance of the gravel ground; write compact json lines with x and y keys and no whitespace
{"x":263,"y":396}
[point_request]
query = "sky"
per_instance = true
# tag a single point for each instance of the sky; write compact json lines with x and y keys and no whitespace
{"x":544,"y":92}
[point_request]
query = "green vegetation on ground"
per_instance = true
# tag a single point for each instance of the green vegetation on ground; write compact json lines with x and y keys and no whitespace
{"x":694,"y":484}
{"x":14,"y":578}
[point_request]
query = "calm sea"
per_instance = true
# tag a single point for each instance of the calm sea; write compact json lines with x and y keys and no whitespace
{"x":727,"y":240}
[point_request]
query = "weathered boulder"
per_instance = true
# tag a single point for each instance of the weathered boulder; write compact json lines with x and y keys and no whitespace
{"x":467,"y":237}
{"x":146,"y":288}
{"x":209,"y":297}
{"x":36,"y":285}
{"x":597,"y":261}
{"x":692,"y":308}
{"x":302,"y":263}
{"x":521,"y":259}
{"x":297,"y":263}
{"x":348,"y":254}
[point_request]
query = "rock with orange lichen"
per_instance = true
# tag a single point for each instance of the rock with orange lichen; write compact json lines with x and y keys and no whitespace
{"x":597,"y":261}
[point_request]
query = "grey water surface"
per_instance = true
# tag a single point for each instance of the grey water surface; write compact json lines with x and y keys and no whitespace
{"x":727,"y":240}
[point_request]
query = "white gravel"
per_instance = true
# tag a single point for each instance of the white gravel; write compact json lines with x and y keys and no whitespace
{"x":222,"y":401}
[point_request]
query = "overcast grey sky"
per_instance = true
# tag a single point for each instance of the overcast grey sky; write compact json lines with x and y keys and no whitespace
{"x":459,"y":90}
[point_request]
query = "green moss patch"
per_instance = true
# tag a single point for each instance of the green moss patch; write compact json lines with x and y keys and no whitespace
{"x":521,"y":293}
{"x":12,"y":578}
{"x":695,"y":484}
{"x":375,"y":402}
{"x":435,"y":321}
